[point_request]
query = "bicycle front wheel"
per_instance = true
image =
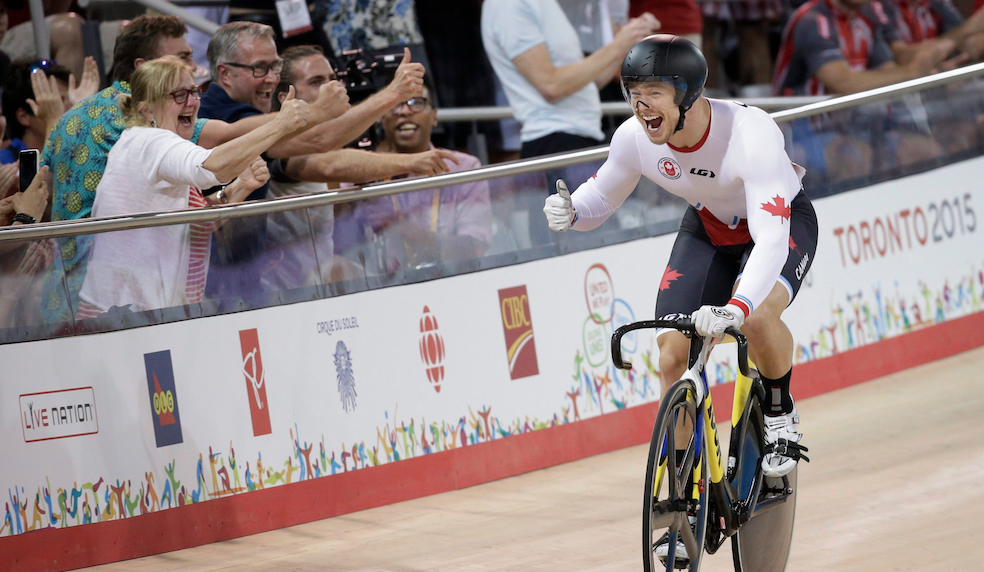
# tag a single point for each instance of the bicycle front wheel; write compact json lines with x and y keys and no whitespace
{"x":675,"y":499}
{"x":762,"y":544}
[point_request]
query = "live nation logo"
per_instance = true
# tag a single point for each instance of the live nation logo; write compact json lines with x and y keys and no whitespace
{"x":58,"y":414}
{"x":163,"y":398}
{"x":517,"y":324}
{"x":259,"y":409}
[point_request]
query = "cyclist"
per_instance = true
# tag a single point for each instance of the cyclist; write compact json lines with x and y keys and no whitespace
{"x":747,"y":239}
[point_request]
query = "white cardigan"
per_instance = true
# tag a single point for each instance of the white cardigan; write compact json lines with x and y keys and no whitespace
{"x":147,"y":170}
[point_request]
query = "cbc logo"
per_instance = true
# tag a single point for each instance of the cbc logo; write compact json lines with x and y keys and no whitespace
{"x":164,"y":402}
{"x":514,"y":312}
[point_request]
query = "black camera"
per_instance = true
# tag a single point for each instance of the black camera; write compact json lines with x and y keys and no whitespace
{"x":364,"y":73}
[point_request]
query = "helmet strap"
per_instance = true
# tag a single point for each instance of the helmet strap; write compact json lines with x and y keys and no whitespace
{"x":683,"y":116}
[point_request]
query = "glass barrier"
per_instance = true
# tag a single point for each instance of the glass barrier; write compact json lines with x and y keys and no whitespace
{"x":124,"y":279}
{"x":870,"y":143}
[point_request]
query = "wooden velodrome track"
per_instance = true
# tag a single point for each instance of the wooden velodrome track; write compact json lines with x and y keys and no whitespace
{"x":895,"y":484}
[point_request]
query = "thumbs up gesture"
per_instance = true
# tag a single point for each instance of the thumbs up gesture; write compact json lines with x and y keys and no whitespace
{"x":408,"y":81}
{"x":559,"y":209}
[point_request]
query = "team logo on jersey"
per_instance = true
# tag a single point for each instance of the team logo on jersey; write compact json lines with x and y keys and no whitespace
{"x":777,"y":207}
{"x":670,"y":168}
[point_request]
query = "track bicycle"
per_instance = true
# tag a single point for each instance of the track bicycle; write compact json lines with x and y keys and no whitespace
{"x":690,"y":492}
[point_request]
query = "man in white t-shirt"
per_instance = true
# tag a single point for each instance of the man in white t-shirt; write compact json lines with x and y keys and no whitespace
{"x":551,"y":86}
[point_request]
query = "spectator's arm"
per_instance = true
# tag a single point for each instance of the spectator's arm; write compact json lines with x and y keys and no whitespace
{"x":233,"y":157}
{"x":355,"y":166}
{"x":557,"y":83}
{"x":839,"y":78}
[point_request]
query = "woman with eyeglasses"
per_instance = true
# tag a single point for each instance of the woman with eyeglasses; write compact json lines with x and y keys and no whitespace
{"x":154,"y":167}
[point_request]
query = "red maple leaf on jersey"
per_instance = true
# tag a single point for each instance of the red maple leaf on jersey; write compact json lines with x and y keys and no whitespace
{"x":792,"y":244}
{"x":668,"y":276}
{"x":777,"y":207}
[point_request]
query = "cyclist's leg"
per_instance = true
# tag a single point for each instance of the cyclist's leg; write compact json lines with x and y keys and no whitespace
{"x":697,"y":273}
{"x":770,"y":343}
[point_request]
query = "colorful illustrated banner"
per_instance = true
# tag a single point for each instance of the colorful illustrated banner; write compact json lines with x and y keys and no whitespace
{"x":350,"y":383}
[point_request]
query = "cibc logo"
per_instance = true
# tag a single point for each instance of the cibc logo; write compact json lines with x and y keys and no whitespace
{"x":517,"y":325}
{"x":163,"y":398}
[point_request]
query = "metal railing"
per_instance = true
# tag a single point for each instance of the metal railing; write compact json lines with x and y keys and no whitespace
{"x":143,"y":220}
{"x":614,"y":108}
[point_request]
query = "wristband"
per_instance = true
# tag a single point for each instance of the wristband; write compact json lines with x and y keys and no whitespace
{"x":24,"y":218}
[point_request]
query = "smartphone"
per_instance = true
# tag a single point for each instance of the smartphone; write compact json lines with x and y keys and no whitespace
{"x":28,"y":167}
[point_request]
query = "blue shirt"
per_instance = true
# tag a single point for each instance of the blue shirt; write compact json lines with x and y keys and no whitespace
{"x":76,"y":153}
{"x":216,"y":104}
{"x":11,"y":154}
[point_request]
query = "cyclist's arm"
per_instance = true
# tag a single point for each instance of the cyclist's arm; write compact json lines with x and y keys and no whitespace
{"x":601,"y":195}
{"x":770,"y":186}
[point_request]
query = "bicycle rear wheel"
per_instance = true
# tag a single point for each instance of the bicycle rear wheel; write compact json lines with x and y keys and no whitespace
{"x":673,"y":493}
{"x":762,"y":544}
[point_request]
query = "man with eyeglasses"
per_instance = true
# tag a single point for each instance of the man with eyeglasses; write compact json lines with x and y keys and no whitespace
{"x":440,"y":226}
{"x":291,"y":233}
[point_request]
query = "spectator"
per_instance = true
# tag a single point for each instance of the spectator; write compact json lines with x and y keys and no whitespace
{"x":291,"y":232}
{"x":80,"y":144}
{"x":246,"y":69}
{"x":64,"y":33}
{"x":33,"y":102}
{"x":156,"y":167}
{"x":423,"y":228}
{"x":836,"y":46}
{"x":751,"y":20}
{"x":911,"y":22}
{"x":551,"y":86}
{"x":839,"y":47}
{"x":29,"y":116}
{"x":21,"y":267}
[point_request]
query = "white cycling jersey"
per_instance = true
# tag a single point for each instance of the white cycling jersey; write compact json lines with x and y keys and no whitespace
{"x":738,"y":177}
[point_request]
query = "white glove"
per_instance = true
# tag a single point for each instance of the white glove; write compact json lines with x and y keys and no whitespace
{"x":559,"y":209}
{"x":713,"y":320}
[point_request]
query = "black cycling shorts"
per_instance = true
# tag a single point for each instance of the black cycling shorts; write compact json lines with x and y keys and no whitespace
{"x":702,"y":271}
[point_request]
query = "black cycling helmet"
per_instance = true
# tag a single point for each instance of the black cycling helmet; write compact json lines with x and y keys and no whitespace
{"x":669,"y":59}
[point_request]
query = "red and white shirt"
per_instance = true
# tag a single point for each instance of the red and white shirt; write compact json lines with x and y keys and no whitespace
{"x":738,"y":177}
{"x":819,"y":33}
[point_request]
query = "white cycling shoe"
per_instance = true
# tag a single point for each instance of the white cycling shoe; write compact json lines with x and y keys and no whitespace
{"x":782,"y":448}
{"x":681,"y":560}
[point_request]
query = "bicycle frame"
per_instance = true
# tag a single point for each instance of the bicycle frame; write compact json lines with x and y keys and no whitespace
{"x":729,"y":508}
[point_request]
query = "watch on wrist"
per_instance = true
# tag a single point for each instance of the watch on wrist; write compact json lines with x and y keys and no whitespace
{"x":222,"y":197}
{"x":24,"y":218}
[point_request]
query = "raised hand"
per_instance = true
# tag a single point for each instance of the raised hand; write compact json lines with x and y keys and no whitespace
{"x":431,"y":162}
{"x":89,"y":84}
{"x":636,"y":29}
{"x":294,"y":113}
{"x":47,"y":104}
{"x":408,"y":80}
{"x":333,"y":101}
{"x":34,"y":200}
{"x":559,"y":209}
